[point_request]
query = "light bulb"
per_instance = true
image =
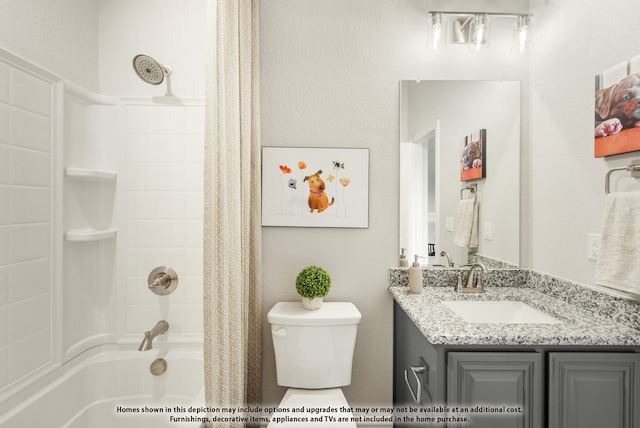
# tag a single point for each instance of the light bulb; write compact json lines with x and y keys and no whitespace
{"x":437,"y":32}
{"x":524,"y":34}
{"x":479,"y":33}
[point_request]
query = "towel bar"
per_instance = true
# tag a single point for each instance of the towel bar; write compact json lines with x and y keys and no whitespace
{"x":634,"y":168}
{"x":473,"y":188}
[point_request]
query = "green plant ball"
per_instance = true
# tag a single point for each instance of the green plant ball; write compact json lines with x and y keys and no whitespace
{"x":312,"y":282}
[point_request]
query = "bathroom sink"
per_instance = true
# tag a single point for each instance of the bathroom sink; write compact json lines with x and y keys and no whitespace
{"x":499,"y":312}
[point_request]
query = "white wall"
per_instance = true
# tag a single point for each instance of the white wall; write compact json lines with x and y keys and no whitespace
{"x":575,"y":40}
{"x":60,"y":36}
{"x":170,"y":31}
{"x":330,"y":72}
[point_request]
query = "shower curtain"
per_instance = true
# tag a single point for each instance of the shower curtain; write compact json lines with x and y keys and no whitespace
{"x":232,"y":230}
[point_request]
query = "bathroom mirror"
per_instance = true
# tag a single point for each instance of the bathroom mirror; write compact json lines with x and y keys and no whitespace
{"x":436,"y":118}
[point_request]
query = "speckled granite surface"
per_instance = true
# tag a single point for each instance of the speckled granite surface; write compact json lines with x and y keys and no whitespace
{"x":489,"y":262}
{"x":447,"y":277}
{"x":440,"y":325}
{"x":591,"y":317}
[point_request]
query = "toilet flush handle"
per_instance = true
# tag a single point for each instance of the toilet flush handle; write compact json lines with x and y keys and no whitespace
{"x":281,"y":332}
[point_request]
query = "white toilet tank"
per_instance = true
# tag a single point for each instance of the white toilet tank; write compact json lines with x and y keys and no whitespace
{"x":314,"y":349}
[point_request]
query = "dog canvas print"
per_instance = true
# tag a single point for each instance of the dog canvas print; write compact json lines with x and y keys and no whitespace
{"x":315,"y":187}
{"x":617,"y":109}
{"x":473,"y":159}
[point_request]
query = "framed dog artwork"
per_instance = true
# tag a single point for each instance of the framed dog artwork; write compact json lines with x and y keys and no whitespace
{"x":617,"y":109}
{"x":473,"y":159}
{"x":315,"y":187}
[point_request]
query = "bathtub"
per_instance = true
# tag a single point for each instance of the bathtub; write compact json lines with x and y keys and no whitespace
{"x":110,"y":387}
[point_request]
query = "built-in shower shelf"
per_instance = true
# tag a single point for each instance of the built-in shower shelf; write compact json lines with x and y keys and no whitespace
{"x":90,"y":174}
{"x":85,"y":235}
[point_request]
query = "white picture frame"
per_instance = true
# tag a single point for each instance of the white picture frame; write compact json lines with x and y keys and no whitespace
{"x":315,"y":187}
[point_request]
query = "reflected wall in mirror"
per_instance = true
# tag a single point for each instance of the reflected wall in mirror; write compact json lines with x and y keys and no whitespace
{"x":435,"y":117}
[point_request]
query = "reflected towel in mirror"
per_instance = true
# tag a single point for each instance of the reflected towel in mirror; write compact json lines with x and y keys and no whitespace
{"x":619,"y":251}
{"x":467,"y":224}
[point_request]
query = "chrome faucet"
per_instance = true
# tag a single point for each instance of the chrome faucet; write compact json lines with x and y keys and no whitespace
{"x":147,"y":342}
{"x":449,"y":261}
{"x":472,"y":286}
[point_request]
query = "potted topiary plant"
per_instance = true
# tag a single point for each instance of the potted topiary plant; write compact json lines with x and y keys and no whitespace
{"x":312,"y":284}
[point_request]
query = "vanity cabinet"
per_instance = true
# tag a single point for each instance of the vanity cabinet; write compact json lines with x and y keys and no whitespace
{"x":594,"y":390}
{"x":418,"y":381}
{"x":502,"y":389}
{"x":516,"y":386}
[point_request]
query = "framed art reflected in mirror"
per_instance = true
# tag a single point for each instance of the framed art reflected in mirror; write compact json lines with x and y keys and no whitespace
{"x":474,"y":156}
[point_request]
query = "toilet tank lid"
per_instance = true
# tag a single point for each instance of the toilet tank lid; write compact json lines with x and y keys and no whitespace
{"x":331,"y":313}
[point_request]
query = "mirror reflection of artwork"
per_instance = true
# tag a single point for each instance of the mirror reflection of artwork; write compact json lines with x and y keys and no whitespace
{"x":473,"y":160}
{"x":432,"y":116}
{"x":617,"y":109}
{"x":315,"y":187}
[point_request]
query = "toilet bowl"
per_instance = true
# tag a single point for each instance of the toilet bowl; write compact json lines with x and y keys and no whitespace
{"x":314,"y":356}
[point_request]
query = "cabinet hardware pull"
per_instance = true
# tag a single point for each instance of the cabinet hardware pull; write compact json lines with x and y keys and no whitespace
{"x":415,"y":370}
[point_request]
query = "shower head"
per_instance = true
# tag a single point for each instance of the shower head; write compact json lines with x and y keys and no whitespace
{"x":149,"y":70}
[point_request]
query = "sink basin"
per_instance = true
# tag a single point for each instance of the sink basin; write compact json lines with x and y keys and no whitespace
{"x":499,"y":312}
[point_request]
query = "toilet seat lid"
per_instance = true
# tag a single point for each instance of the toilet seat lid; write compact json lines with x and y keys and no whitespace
{"x":305,"y":399}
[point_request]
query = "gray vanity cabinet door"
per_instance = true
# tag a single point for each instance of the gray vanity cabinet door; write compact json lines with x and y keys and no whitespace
{"x":594,"y":390}
{"x":496,"y":389}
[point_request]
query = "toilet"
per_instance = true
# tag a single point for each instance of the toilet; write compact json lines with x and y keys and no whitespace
{"x":314,"y":356}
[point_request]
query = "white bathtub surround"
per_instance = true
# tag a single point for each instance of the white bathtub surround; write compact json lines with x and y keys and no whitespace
{"x":95,"y":191}
{"x":232,"y":225}
{"x":91,"y":397}
{"x":28,"y":122}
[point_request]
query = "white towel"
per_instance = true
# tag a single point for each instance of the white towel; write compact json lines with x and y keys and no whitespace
{"x":467,"y":224}
{"x":618,"y":263}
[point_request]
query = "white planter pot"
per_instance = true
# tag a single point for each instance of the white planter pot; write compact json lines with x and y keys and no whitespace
{"x":312,"y":304}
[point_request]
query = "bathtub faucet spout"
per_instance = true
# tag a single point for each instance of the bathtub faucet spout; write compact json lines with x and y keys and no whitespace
{"x":147,"y":342}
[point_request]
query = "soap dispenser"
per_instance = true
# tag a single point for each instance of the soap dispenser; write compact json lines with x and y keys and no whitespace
{"x":403,"y":258}
{"x":415,"y":276}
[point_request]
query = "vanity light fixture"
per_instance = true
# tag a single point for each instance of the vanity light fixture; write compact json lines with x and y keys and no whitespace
{"x":473,"y":29}
{"x":523,"y":33}
{"x":438,"y":33}
{"x":479,"y":37}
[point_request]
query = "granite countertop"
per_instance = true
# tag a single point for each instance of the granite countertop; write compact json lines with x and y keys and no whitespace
{"x":441,"y":326}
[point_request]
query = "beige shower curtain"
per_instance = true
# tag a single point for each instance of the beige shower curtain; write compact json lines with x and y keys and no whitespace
{"x":232,"y":235}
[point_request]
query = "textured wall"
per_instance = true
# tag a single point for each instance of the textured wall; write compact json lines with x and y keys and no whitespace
{"x":171,"y":32}
{"x":574,"y":42}
{"x":330,"y":72}
{"x":58,"y":35}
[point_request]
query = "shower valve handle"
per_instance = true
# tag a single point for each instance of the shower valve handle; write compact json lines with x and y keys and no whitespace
{"x":162,"y":280}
